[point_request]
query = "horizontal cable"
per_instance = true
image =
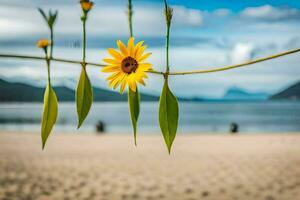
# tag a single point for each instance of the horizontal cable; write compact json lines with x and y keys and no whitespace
{"x":236,"y":66}
{"x":157,"y":72}
{"x":53,"y":59}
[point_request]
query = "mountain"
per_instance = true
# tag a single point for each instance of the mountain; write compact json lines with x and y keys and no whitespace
{"x":21,"y":92}
{"x":236,"y":93}
{"x":291,"y":93}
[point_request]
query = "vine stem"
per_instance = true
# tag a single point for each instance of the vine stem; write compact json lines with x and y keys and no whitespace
{"x":168,"y":23}
{"x":48,"y":65}
{"x":167,"y":48}
{"x":84,"y":40}
{"x":52,"y":42}
{"x":237,"y":65}
{"x":225,"y":68}
{"x":130,"y":12}
{"x":53,"y":59}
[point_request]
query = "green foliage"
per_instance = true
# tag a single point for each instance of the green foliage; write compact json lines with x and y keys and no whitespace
{"x":50,"y":19}
{"x":134,"y":108}
{"x":49,"y":113}
{"x":84,"y":96}
{"x":168,"y":115}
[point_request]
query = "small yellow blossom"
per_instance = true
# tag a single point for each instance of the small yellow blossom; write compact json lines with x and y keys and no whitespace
{"x":43,"y":43}
{"x":86,"y":5}
{"x":127,"y":65}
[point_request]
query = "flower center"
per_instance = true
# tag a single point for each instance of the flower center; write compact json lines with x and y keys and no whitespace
{"x":129,"y":65}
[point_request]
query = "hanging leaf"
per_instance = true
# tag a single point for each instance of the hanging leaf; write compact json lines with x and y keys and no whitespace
{"x":168,"y":115}
{"x":49,"y":113}
{"x":43,"y":15}
{"x":84,"y":97}
{"x":134,"y":108}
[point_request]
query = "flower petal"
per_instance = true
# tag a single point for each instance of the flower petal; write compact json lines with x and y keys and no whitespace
{"x":145,"y":66}
{"x":140,"y":52}
{"x":130,"y":46}
{"x":141,"y":81}
{"x":111,"y":61}
{"x":136,"y":48}
{"x":123,"y":85}
{"x":144,"y":57}
{"x":122,"y":48}
{"x":115,"y":54}
{"x":131,"y":82}
{"x":114,"y":75}
{"x":116,"y":82}
{"x":109,"y":69}
{"x":140,"y":75}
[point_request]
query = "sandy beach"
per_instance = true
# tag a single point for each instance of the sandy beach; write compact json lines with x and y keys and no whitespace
{"x":110,"y":167}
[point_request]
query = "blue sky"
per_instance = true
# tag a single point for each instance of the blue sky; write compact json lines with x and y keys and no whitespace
{"x":204,"y":34}
{"x":233,"y":5}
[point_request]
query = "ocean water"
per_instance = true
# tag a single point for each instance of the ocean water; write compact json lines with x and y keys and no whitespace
{"x":195,"y":117}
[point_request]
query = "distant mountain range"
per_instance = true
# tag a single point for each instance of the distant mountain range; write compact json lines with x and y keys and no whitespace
{"x":21,"y":92}
{"x":291,"y":93}
{"x":236,"y":93}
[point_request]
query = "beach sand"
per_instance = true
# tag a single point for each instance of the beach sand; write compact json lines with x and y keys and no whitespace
{"x":110,"y":167}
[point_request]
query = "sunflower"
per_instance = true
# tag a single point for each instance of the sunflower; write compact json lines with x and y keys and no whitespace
{"x":127,"y":65}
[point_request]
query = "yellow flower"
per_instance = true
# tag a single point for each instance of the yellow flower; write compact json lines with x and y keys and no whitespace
{"x":43,"y":43}
{"x":127,"y":65}
{"x":86,"y":5}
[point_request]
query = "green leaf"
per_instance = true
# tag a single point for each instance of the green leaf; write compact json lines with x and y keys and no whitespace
{"x":84,"y":97}
{"x":52,"y":18}
{"x":49,"y":113}
{"x":134,"y":108}
{"x":168,"y":115}
{"x":43,"y":15}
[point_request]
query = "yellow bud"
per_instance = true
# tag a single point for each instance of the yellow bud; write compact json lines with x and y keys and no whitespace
{"x":43,"y":43}
{"x":86,"y":5}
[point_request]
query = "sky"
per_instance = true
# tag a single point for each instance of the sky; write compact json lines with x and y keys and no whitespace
{"x":204,"y":34}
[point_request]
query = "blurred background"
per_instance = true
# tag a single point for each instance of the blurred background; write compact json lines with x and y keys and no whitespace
{"x":262,"y":97}
{"x":260,"y":101}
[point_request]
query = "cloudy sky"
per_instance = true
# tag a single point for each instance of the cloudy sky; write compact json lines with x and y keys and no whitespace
{"x":204,"y":34}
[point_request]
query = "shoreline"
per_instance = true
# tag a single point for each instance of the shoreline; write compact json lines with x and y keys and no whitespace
{"x":109,"y":166}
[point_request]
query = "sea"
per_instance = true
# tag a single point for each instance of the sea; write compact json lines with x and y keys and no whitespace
{"x":195,"y":117}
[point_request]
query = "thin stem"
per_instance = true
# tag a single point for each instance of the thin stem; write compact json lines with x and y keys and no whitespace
{"x":84,"y":40}
{"x":158,"y":72}
{"x":48,"y":70}
{"x":166,"y":4}
{"x":52,"y":42}
{"x":48,"y":64}
{"x":167,"y":48}
{"x":130,"y":12}
{"x":168,"y":15}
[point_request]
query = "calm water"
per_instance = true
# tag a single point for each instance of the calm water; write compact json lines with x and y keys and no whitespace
{"x":194,"y":117}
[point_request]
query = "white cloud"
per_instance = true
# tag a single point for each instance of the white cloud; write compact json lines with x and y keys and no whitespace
{"x":241,"y":52}
{"x":103,"y":20}
{"x":187,"y":17}
{"x":11,"y":28}
{"x":270,"y":13}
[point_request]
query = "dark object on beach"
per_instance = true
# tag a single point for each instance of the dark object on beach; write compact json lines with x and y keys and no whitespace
{"x":100,"y":127}
{"x":234,"y":128}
